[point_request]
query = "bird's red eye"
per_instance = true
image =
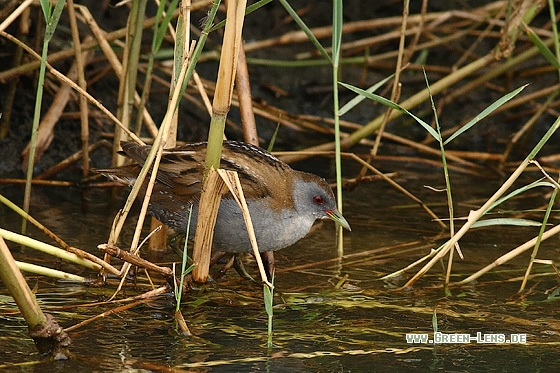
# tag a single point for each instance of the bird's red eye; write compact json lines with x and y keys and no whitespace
{"x":318,"y":200}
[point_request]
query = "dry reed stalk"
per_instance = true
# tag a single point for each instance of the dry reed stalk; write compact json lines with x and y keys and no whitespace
{"x":478,"y":14}
{"x":509,"y":255}
{"x":383,"y":176}
{"x":204,"y":235}
{"x":435,"y":163}
{"x":153,"y":157}
{"x":135,"y":260}
{"x":15,"y":14}
{"x":378,"y":253}
{"x":38,"y":182}
{"x":80,"y":64}
{"x":64,"y":79}
{"x":135,"y":301}
{"x":112,"y":58}
{"x":69,"y":161}
{"x":529,"y":124}
{"x":69,"y":52}
{"x":243,"y":87}
{"x":233,"y":183}
{"x":80,"y":253}
{"x":45,"y":133}
{"x":231,"y":45}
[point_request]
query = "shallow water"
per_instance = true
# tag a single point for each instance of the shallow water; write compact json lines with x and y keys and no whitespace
{"x":317,"y":327}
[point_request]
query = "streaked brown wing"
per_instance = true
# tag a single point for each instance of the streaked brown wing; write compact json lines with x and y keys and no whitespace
{"x":182,"y":167}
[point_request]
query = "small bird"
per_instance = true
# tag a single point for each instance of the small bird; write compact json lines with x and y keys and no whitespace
{"x":283,"y":202}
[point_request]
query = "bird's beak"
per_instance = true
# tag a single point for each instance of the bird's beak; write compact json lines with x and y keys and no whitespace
{"x":338,"y":218}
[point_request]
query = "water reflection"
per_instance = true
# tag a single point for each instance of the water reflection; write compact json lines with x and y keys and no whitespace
{"x":359,"y":327}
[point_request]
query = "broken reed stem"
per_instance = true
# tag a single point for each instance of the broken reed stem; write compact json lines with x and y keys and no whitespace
{"x":231,"y":43}
{"x":136,"y":300}
{"x":209,"y":204}
{"x":135,"y":260}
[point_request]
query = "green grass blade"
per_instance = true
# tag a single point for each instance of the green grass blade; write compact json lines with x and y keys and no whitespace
{"x":199,"y":46}
{"x":392,"y":105}
{"x":356,"y":100}
{"x":268,"y":297}
{"x":305,"y":29}
{"x":161,"y":29}
{"x":499,"y":102}
{"x":552,"y":11}
{"x":541,"y":46}
{"x":46,"y":6}
{"x":250,"y":9}
{"x":184,"y":270}
{"x":336,"y":43}
{"x":52,"y":21}
{"x":539,"y":238}
{"x":268,"y":300}
{"x":507,"y":221}
{"x":273,"y":139}
{"x":337,"y":31}
{"x":535,"y":184}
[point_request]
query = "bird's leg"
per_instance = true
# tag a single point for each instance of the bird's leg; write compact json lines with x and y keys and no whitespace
{"x":268,"y":262}
{"x":216,"y":257}
{"x":240,"y":268}
{"x":222,"y":271}
{"x":234,"y":262}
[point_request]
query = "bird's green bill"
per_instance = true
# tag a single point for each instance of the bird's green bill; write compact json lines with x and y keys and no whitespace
{"x":338,"y":219}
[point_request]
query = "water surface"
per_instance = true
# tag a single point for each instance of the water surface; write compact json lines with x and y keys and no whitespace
{"x":361,"y":326}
